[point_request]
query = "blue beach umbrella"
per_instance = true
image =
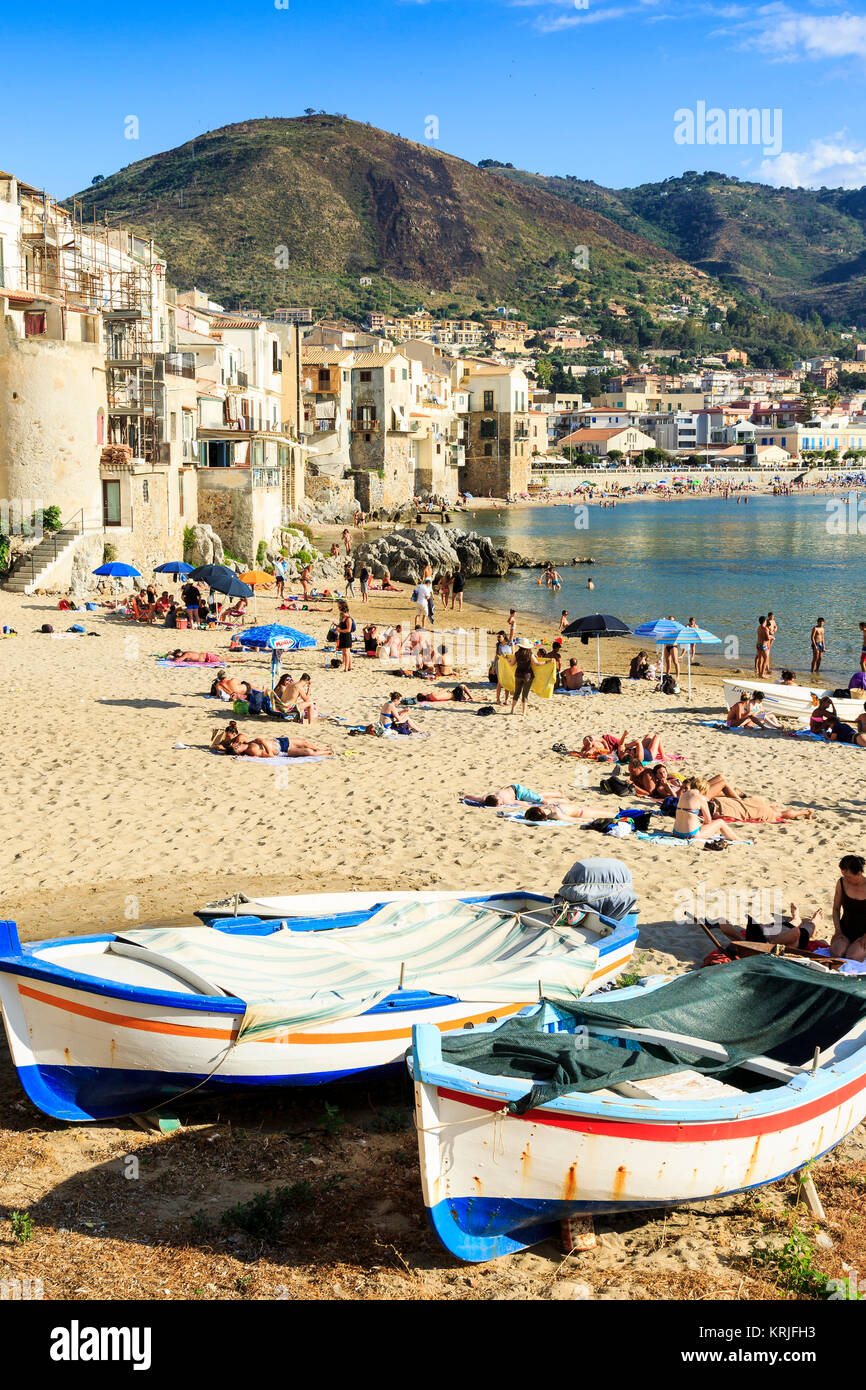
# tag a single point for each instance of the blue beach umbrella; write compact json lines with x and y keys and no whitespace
{"x":118,"y":570}
{"x":274,"y":637}
{"x":222,"y":580}
{"x":174,"y":567}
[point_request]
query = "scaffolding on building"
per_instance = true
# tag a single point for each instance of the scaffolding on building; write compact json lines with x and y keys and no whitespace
{"x":110,"y":275}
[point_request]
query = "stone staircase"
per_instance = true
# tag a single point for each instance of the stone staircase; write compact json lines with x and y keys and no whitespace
{"x":32,"y":570}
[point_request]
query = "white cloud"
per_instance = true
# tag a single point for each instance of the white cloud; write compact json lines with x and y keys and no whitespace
{"x":785,"y":35}
{"x":829,"y":162}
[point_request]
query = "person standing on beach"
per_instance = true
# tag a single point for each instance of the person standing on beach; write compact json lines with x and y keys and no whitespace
{"x":423,"y":596}
{"x":280,"y":576}
{"x":818,"y":640}
{"x":762,"y":648}
{"x":862,"y":627}
{"x":512,"y":626}
{"x":525,"y":664}
{"x":772,"y":629}
{"x":345,"y":628}
{"x":346,"y":539}
{"x":349,"y":576}
{"x":364,"y":579}
{"x":458,"y":584}
{"x":563,"y":621}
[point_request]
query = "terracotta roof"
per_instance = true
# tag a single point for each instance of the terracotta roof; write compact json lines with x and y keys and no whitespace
{"x":594,"y":436}
{"x":325,"y":356}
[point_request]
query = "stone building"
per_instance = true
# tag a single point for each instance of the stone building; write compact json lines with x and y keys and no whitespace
{"x":499,"y":442}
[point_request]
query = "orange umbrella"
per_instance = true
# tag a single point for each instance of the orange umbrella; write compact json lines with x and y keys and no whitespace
{"x":255,"y":577}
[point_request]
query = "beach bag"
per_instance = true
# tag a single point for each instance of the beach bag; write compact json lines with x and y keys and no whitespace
{"x":669,"y":686}
{"x":240,"y":707}
{"x":603,"y":825}
{"x":331,"y":634}
{"x":616,"y":786}
{"x":415,"y":595}
{"x":486,"y":709}
{"x":611,"y":685}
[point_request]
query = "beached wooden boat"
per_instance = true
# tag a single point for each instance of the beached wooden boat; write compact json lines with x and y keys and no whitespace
{"x":791,"y":701}
{"x":320,"y":909}
{"x":110,"y":1025}
{"x":709,"y":1084}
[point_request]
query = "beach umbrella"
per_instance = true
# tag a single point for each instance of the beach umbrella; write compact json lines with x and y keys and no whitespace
{"x":691,"y":637}
{"x":276,"y":638}
{"x":659,"y":629}
{"x":597,"y":625}
{"x":222,"y":580}
{"x":118,"y":570}
{"x":254,"y":577}
{"x":174,"y":567}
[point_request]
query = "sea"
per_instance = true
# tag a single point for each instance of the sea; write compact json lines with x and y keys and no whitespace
{"x":709,"y":558}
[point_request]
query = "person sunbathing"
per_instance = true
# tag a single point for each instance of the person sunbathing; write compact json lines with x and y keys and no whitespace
{"x":386,"y":583}
{"x":442,"y":666}
{"x":694,"y":820}
{"x":567,"y":811}
{"x":656,"y":782}
{"x":294,"y":696}
{"x":394,"y":716}
{"x":199,"y":658}
{"x":736,"y":806}
{"x":740,"y":714}
{"x":233,"y":742}
{"x":230,"y":685}
{"x":238,"y":611}
{"x":762,"y":718}
{"x":608,"y":746}
{"x":460,"y":693}
{"x":639,"y":668}
{"x":514,"y":794}
{"x":572,"y":677}
{"x":790,"y":929}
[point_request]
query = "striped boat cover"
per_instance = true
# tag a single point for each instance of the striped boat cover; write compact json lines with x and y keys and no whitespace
{"x":292,"y":978}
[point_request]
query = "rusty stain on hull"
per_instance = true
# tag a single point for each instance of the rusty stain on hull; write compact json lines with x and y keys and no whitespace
{"x":525,"y":1164}
{"x":477,"y":1182}
{"x":750,"y":1167}
{"x":569,"y":1190}
{"x":619,"y":1178}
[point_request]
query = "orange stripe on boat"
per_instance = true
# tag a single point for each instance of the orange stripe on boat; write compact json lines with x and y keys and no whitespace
{"x":390,"y":1034}
{"x":145,"y":1025}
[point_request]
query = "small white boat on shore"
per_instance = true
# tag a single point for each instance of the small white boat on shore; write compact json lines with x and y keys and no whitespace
{"x":791,"y":701}
{"x":111,"y":1025}
{"x":674,"y":1091}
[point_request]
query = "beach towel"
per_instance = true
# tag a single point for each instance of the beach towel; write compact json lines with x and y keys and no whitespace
{"x":543,"y":682}
{"x":282,"y":758}
{"x":668,"y":837}
{"x":786,"y":733}
{"x":167,"y":661}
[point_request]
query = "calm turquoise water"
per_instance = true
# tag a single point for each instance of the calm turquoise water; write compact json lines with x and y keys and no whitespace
{"x":721,"y":563}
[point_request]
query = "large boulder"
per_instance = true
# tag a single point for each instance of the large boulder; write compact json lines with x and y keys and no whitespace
{"x":87,"y":558}
{"x":406,"y":552}
{"x":206,"y":547}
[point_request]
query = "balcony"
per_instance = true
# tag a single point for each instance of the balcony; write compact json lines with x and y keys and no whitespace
{"x":365,"y":426}
{"x":238,"y":382}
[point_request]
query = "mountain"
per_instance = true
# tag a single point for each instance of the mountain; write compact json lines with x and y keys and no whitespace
{"x":296,"y":211}
{"x":801,"y":249}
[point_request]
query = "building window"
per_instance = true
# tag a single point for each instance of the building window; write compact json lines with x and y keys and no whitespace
{"x":100,"y":426}
{"x":180,"y":494}
{"x":145,"y":491}
{"x":366,"y":376}
{"x":488,"y":429}
{"x":173,"y":426}
{"x":393,"y":372}
{"x":488,"y":400}
{"x":488,"y":451}
{"x":34,"y":325}
{"x":405,"y":374}
{"x":276,"y":364}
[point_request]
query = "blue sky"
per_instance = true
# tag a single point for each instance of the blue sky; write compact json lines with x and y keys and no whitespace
{"x":584,"y":87}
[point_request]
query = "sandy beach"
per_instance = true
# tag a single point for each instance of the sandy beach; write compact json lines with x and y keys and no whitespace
{"x":109,"y":821}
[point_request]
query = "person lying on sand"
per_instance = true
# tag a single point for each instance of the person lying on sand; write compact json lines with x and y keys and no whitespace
{"x":755,"y":810}
{"x":178,"y":655}
{"x":230,"y":740}
{"x":791,"y":930}
{"x":649,"y":747}
{"x":561,"y":811}
{"x":514,"y":794}
{"x":694,"y":820}
{"x":437,"y":697}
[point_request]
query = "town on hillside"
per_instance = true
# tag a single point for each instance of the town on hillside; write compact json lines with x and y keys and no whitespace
{"x":133,"y":412}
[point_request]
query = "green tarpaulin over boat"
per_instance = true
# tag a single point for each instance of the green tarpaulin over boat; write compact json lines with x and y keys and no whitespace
{"x":763,"y":1006}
